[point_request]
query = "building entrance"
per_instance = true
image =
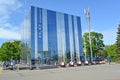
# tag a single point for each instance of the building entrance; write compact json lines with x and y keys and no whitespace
{"x":44,"y":58}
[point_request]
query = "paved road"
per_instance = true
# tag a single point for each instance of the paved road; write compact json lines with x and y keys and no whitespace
{"x":94,"y":72}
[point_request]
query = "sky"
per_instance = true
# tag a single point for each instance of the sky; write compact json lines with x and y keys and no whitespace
{"x":104,"y":16}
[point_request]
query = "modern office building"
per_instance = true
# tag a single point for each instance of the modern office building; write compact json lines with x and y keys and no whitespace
{"x":50,"y":36}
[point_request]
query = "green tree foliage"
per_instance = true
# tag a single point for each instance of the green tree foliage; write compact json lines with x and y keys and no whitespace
{"x":97,"y":43}
{"x":118,"y":44}
{"x":10,"y":50}
{"x":25,"y":51}
{"x":118,"y":41}
{"x":111,"y":50}
{"x":103,"y":53}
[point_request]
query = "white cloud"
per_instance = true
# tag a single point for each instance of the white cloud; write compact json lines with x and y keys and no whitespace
{"x":8,"y":30}
{"x":7,"y":7}
{"x":8,"y":34}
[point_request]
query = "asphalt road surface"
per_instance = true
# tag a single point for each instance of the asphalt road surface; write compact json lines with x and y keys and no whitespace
{"x":94,"y":72}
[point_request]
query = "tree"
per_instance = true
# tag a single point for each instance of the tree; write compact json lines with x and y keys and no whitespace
{"x":118,"y":45}
{"x":10,"y":50}
{"x":97,"y":42}
{"x":25,"y":51}
{"x":111,"y":50}
{"x":103,"y":53}
{"x":118,"y":41}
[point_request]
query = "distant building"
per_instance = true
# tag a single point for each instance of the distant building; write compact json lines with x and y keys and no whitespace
{"x":50,"y":36}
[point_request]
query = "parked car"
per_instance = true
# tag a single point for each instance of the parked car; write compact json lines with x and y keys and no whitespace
{"x":63,"y":64}
{"x":79,"y":63}
{"x":86,"y":62}
{"x":99,"y":60}
{"x":71,"y":63}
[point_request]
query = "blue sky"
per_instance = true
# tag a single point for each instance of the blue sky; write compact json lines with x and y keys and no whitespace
{"x":105,"y":15}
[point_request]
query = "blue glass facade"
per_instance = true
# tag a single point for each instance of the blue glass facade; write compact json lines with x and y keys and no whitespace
{"x":32,"y":32}
{"x":52,"y":36}
{"x":52,"y":32}
{"x":67,"y":39}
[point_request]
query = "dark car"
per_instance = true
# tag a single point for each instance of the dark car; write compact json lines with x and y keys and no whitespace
{"x":98,"y":60}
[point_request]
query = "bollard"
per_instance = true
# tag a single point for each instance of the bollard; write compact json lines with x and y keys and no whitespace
{"x":0,"y":70}
{"x":18,"y":67}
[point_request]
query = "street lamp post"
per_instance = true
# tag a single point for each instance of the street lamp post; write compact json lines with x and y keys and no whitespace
{"x":87,"y":13}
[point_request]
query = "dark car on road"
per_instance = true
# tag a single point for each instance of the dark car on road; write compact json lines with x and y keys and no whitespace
{"x":99,"y":60}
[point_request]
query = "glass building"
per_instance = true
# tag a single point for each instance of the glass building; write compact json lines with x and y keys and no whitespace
{"x":49,"y":36}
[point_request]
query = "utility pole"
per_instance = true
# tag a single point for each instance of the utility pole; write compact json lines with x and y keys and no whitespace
{"x":87,"y":13}
{"x":85,"y":49}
